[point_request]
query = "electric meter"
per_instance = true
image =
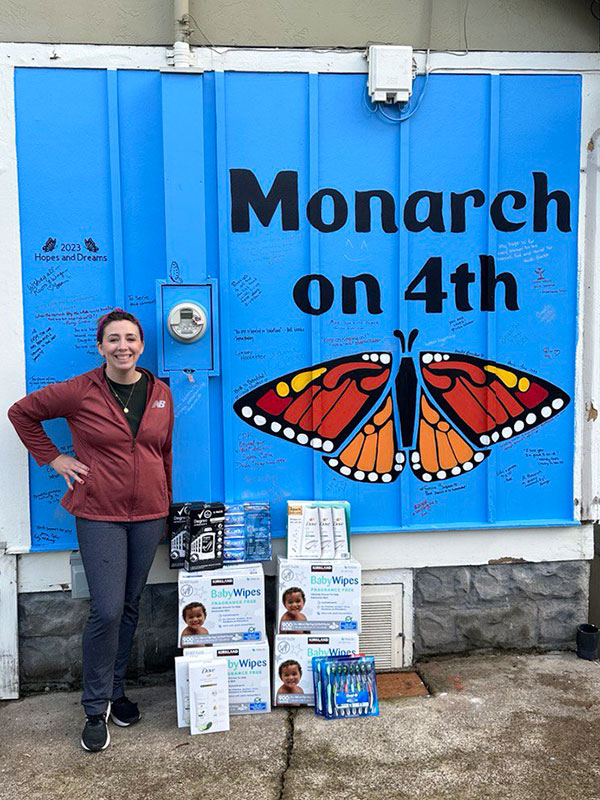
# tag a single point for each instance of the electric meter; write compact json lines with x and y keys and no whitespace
{"x":187,"y":322}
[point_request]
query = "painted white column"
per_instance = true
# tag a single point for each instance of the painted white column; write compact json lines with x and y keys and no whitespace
{"x":9,"y":629}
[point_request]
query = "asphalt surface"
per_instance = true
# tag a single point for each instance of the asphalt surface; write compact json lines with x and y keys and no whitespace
{"x":509,"y":726}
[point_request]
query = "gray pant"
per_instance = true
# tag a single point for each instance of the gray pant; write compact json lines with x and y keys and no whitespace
{"x":117,"y":557}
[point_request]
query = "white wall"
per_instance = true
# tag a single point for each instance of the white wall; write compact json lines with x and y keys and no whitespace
{"x":490,"y":25}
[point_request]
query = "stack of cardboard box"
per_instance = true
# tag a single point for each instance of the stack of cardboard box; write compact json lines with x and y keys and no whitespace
{"x":319,"y":598}
{"x":224,"y":668}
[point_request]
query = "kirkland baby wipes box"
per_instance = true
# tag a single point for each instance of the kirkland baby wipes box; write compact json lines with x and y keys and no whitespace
{"x":318,"y":596}
{"x":249,"y":675}
{"x":292,"y":673}
{"x":225,"y":605}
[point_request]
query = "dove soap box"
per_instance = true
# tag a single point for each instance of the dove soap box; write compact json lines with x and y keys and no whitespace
{"x":249,"y":674}
{"x":293,"y":655}
{"x":318,"y":596}
{"x":222,"y":606}
{"x":209,"y":696}
{"x":318,"y":529}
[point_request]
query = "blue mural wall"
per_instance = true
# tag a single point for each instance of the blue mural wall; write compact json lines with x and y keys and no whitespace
{"x":397,"y":302}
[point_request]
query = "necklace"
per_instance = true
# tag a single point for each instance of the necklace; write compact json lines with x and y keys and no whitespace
{"x":126,"y":404}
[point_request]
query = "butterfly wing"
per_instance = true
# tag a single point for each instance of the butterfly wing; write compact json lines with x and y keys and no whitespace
{"x":318,"y":406}
{"x":441,"y":452}
{"x":372,"y":454}
{"x":488,"y":401}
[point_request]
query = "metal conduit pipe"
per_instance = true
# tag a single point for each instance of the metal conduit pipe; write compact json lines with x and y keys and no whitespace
{"x":182,"y":56}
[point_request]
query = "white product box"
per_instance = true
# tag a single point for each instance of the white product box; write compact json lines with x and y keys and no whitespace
{"x":249,"y":674}
{"x":209,"y":696}
{"x":221,"y":606}
{"x":318,"y":596}
{"x":182,"y":690}
{"x":328,"y":543}
{"x":293,"y":664}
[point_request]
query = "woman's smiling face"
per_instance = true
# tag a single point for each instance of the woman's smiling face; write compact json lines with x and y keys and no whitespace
{"x":121,"y":346}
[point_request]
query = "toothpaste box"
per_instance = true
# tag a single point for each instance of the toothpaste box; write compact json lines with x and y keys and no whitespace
{"x":222,"y":606}
{"x":292,"y":672}
{"x":249,"y":674}
{"x":318,"y":596}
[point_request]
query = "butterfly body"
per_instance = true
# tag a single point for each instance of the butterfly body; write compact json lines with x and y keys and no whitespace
{"x":439,"y":415}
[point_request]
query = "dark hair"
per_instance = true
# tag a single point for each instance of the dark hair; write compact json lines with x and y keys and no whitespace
{"x":116,"y":315}
{"x":292,"y":590}
{"x":189,"y":608}
{"x":290,"y":662}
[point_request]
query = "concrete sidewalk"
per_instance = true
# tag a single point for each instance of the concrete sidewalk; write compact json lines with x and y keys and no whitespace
{"x":495,"y":727}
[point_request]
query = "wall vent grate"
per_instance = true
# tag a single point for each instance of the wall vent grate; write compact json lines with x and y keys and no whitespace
{"x":378,"y":636}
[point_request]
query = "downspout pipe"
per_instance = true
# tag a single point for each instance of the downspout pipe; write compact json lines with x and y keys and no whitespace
{"x":182,"y":55}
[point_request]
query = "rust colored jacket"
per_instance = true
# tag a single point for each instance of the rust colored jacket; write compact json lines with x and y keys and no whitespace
{"x":129,"y":479}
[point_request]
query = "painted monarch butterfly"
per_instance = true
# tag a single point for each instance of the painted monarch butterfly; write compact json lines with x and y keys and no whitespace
{"x":351,"y":409}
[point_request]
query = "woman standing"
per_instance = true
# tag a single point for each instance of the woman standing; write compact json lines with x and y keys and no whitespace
{"x":119,"y":489}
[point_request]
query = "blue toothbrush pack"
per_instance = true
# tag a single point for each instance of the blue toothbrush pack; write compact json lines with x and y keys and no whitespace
{"x":345,"y":686}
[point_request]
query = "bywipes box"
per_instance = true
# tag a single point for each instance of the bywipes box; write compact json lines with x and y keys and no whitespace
{"x":248,"y":675}
{"x":293,"y":663}
{"x":224,"y":605}
{"x":318,"y":596}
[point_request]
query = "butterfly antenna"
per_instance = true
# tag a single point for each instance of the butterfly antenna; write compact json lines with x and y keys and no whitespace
{"x":400,"y":335}
{"x":411,"y":338}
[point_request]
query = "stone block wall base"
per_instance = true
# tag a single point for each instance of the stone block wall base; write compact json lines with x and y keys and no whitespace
{"x":500,"y":607}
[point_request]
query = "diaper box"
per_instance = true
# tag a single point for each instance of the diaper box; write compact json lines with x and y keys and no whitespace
{"x":249,"y":674}
{"x":318,"y":596}
{"x":224,"y":605}
{"x":292,"y":663}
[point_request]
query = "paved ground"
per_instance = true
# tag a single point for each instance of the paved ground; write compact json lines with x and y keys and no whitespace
{"x":518,"y":727}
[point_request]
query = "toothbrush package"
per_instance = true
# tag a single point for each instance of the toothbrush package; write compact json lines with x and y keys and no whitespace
{"x":318,"y":596}
{"x":222,"y":606}
{"x":248,"y":672}
{"x":318,"y":529}
{"x":205,"y":547}
{"x":293,"y":656}
{"x":345,"y":686}
{"x":247,"y":532}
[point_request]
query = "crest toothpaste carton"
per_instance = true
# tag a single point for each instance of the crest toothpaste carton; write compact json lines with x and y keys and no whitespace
{"x":221,"y":606}
{"x":318,"y":596}
{"x":292,"y":672}
{"x":249,"y":675}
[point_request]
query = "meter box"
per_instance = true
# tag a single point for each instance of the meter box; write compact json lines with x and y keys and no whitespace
{"x":187,"y":326}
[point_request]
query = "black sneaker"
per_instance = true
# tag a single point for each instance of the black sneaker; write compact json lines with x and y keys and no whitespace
{"x":124,"y":712}
{"x":95,"y":736}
